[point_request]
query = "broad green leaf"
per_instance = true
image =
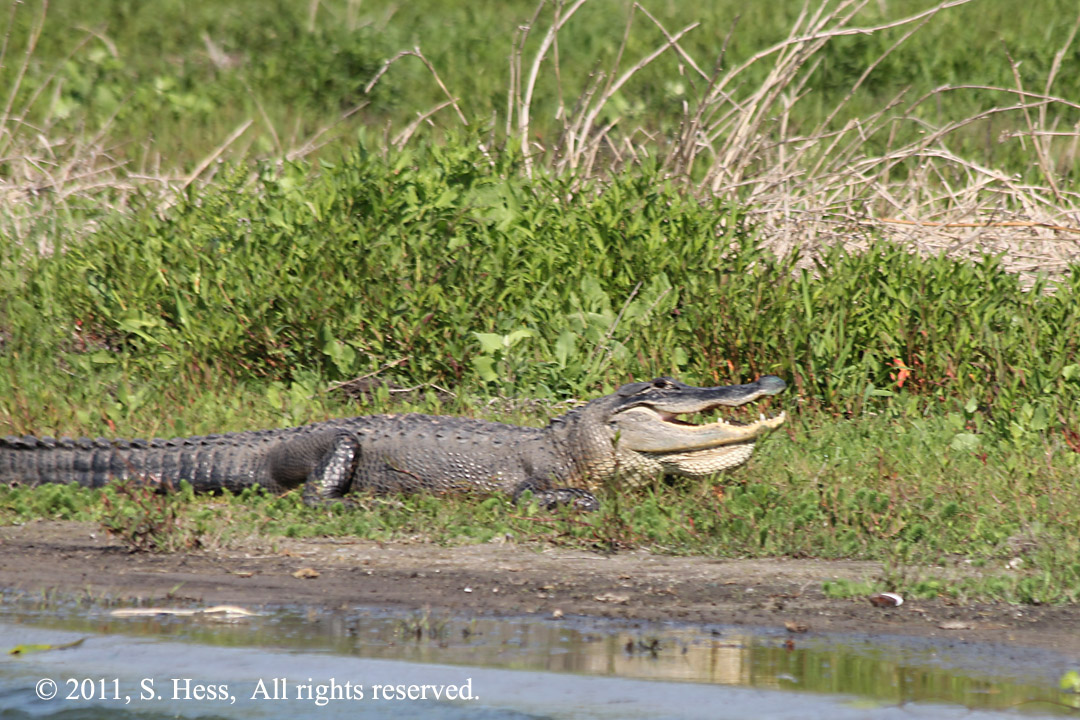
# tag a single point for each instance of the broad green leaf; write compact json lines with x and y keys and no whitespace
{"x":490,"y":342}
{"x":513,"y":338}
{"x":565,"y":347}
{"x":485,"y":368}
{"x":136,"y":322}
{"x":965,"y":442}
{"x":104,"y":357}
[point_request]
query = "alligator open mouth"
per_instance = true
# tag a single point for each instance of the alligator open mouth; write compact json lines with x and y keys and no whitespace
{"x":646,"y":429}
{"x":701,"y":419}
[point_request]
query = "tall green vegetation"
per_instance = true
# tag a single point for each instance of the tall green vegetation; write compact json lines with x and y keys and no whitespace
{"x":437,"y":266}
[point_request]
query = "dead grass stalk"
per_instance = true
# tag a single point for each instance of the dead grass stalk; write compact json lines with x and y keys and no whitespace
{"x":826,"y":186}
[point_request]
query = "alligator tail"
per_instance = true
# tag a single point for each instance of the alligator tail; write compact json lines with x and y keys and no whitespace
{"x":208,"y":463}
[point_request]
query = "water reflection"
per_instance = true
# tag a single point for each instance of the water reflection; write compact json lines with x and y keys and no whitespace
{"x":889,"y":672}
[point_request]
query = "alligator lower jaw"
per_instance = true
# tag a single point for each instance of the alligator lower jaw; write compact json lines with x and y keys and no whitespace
{"x":700,"y":464}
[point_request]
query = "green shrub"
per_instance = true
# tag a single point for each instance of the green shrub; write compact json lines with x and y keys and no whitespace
{"x":449,"y":270}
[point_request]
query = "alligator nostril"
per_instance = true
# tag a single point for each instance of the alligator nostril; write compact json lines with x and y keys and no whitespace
{"x":771,"y":384}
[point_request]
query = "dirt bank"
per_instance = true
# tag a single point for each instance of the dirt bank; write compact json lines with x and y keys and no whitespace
{"x":505,"y":579}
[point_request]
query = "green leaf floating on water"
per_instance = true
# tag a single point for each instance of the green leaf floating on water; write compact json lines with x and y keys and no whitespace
{"x":1070,"y":681}
{"x":32,"y":648}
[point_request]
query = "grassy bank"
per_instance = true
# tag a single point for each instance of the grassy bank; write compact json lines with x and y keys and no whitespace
{"x":945,"y":521}
{"x":933,"y":400}
{"x":605,"y":201}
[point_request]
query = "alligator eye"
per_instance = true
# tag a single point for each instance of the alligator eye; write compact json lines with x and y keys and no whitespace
{"x":661,"y":383}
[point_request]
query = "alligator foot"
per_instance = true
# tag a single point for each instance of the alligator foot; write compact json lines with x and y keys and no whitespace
{"x":574,"y":497}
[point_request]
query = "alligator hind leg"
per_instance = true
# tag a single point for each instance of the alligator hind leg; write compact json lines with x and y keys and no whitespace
{"x":332,"y":476}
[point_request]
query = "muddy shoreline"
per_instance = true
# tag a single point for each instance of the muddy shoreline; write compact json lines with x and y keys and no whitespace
{"x":505,"y":579}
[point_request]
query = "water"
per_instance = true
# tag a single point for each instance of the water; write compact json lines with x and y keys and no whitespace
{"x":375,"y":664}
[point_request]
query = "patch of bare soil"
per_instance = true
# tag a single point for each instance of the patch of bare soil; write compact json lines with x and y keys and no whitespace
{"x":506,"y":579}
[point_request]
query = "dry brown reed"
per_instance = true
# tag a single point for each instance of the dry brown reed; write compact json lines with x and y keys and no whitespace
{"x":826,"y":186}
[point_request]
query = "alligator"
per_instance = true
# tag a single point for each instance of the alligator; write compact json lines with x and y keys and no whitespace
{"x":629,"y":436}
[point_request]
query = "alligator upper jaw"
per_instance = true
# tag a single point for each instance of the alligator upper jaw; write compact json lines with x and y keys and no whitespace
{"x":683,"y":399}
{"x":644,"y":429}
